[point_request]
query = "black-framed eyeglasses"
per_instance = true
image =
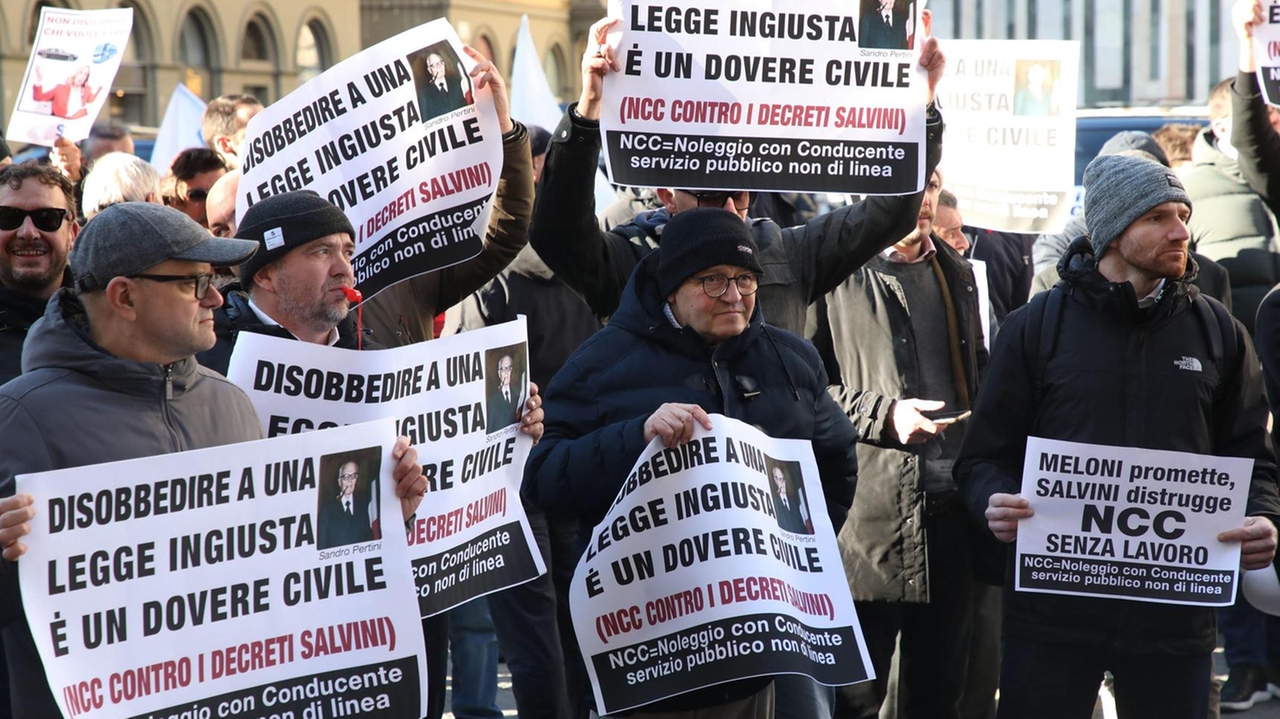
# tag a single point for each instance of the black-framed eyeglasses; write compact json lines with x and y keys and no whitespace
{"x":202,"y":282}
{"x":717,"y":285}
{"x":707,"y":198}
{"x":46,"y":219}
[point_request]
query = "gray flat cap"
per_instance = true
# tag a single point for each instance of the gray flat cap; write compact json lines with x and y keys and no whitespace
{"x":127,"y":238}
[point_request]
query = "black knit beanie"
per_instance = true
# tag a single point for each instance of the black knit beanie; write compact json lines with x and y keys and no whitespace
{"x":282,"y":222}
{"x":696,"y":239}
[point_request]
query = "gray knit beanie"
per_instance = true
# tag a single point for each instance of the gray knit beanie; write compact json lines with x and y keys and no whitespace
{"x":1130,"y":140}
{"x":1119,"y":189}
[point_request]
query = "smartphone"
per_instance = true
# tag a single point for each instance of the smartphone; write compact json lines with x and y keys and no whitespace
{"x":946,"y":417}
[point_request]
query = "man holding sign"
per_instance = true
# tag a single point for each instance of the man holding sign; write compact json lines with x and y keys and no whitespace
{"x":687,"y":340}
{"x":803,"y":262}
{"x":1124,"y":352}
{"x":121,"y":345}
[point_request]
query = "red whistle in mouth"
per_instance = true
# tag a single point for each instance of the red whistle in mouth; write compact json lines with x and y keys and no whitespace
{"x":353,"y":295}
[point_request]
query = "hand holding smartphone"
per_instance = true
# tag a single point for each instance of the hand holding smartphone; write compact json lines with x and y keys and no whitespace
{"x":946,"y":417}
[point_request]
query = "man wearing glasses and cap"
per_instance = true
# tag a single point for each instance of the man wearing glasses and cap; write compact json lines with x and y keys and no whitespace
{"x":801,"y":263}
{"x":111,"y":375}
{"x":37,"y":229}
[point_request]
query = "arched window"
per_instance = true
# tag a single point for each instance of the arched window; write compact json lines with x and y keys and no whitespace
{"x":128,"y":102}
{"x":197,"y":53}
{"x":259,"y":55}
{"x":34,"y":23}
{"x":485,"y":46}
{"x":257,"y":41}
{"x":315,"y":51}
{"x":554,"y":66}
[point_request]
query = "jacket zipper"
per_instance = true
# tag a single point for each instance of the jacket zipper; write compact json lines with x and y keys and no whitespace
{"x":165,"y":412}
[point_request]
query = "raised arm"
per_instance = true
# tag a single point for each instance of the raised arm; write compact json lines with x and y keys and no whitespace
{"x":1252,"y":134}
{"x":508,"y":230}
{"x":830,"y":247}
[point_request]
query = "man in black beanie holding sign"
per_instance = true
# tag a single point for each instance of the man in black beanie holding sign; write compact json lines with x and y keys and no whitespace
{"x":1126,"y":352}
{"x":687,"y":340}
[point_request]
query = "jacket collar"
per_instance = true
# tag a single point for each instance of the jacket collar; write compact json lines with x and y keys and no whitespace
{"x":61,"y":340}
{"x":235,"y":316}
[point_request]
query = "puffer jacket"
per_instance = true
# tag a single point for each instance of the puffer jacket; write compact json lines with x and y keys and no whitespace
{"x":75,"y":405}
{"x":1233,"y":226}
{"x":596,"y":407}
{"x":1115,"y":379}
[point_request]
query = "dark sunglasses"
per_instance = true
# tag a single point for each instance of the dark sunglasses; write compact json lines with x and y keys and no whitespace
{"x":741,"y":199}
{"x":202,"y":282}
{"x":46,"y":219}
{"x":197,"y":195}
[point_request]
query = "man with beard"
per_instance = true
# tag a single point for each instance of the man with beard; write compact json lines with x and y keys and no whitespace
{"x":902,"y":339}
{"x":37,"y":229}
{"x":1124,"y":351}
{"x":293,"y":286}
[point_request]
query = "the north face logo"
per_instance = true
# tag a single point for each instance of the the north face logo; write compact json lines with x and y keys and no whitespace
{"x":744,"y":248}
{"x":1190,"y":364}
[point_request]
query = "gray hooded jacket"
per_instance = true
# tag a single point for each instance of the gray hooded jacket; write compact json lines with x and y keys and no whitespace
{"x":76,"y":405}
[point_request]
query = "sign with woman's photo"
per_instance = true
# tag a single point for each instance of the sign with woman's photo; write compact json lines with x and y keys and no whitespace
{"x":196,"y":583}
{"x":74,"y":59}
{"x":459,"y":400}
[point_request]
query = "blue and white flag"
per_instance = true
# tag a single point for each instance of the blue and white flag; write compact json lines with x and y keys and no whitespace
{"x":533,"y":102}
{"x":180,"y":128}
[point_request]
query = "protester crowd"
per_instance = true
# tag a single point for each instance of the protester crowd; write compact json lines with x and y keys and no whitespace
{"x":858,"y":329}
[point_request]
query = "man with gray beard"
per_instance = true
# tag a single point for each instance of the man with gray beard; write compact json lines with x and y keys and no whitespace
{"x":293,"y":286}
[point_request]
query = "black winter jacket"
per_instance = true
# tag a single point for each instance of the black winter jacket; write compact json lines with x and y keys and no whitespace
{"x":1113,"y":380}
{"x":17,"y":313}
{"x":596,"y":407}
{"x":236,"y":316}
{"x":1008,"y":259}
{"x":865,"y":338}
{"x":800,"y":263}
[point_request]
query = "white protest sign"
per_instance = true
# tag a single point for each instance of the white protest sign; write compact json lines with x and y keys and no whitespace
{"x":1126,"y":523}
{"x":984,"y":298}
{"x":74,"y":60}
{"x":1266,"y":51}
{"x":399,"y":138}
{"x":471,"y":536}
{"x":716,"y":562}
{"x":196,"y":583}
{"x":764,"y":95}
{"x":1011,"y":104}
